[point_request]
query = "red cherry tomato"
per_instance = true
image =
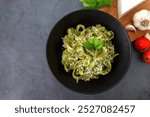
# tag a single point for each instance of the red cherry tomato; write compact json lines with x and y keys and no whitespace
{"x":142,"y":44}
{"x":146,"y":56}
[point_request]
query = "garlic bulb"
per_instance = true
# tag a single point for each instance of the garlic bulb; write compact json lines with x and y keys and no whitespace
{"x":141,"y":20}
{"x":147,"y":35}
{"x":130,"y":27}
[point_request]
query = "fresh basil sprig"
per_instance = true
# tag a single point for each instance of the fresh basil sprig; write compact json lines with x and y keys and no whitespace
{"x":96,"y":3}
{"x":94,"y":43}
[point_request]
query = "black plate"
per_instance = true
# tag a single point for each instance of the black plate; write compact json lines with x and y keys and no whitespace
{"x":89,"y":18}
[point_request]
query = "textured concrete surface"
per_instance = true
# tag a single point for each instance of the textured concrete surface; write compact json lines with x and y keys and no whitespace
{"x":24,"y":73}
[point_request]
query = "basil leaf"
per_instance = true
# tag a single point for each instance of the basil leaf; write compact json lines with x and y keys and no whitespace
{"x":104,"y":3}
{"x":101,"y":45}
{"x":88,"y":45}
{"x":94,"y":44}
{"x":96,"y":3}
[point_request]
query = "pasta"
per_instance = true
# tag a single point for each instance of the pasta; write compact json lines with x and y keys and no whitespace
{"x":84,"y":63}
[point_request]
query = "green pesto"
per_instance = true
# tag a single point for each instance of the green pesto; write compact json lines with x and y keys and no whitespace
{"x":84,"y":63}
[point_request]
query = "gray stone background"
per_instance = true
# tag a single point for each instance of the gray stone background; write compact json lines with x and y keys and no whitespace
{"x":24,"y":72}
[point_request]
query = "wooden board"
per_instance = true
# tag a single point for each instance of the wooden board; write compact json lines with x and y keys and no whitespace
{"x":127,"y":19}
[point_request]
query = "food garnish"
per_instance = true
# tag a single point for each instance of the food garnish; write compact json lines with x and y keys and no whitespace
{"x":94,"y":43}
